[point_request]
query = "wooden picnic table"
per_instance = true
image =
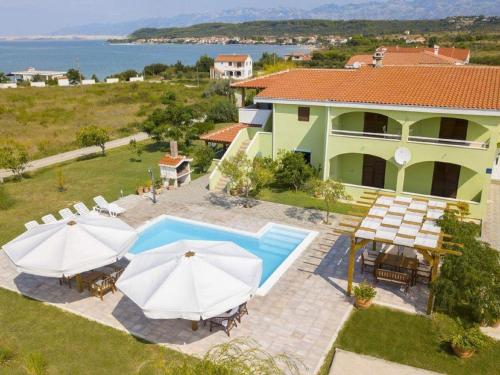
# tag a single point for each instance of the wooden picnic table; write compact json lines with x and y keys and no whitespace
{"x":399,"y":262}
{"x":86,"y":279}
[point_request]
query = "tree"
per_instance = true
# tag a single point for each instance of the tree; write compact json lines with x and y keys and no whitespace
{"x":220,"y":87}
{"x":330,"y":192}
{"x":173,"y":122}
{"x":222,"y":111}
{"x":136,"y":149}
{"x":155,"y":69}
{"x":74,"y":76}
{"x":92,"y":136}
{"x":168,"y":97}
{"x":95,"y":78}
{"x":204,"y":63}
{"x":14,"y":157}
{"x":432,"y":41}
{"x":244,"y":175}
{"x":468,"y":286}
{"x":203,"y":156}
{"x":292,"y":170}
{"x":37,"y":78}
{"x":3,"y":78}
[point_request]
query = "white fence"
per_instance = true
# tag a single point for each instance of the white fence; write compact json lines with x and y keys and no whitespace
{"x":63,"y":82}
{"x":136,"y":79}
{"x":86,"y":82}
{"x":112,"y":80}
{"x":37,"y":84}
{"x":8,"y":85}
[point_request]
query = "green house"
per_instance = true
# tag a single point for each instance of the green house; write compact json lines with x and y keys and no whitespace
{"x":427,"y":131}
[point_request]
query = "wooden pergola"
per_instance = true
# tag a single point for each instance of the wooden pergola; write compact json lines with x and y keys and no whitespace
{"x":403,"y":221}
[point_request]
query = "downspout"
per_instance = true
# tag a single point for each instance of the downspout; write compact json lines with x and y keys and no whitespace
{"x":325,"y":149}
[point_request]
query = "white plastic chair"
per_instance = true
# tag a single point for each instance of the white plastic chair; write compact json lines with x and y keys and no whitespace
{"x":111,"y":208}
{"x":83,"y":210}
{"x":66,"y":214}
{"x":31,"y":224}
{"x":49,"y":219}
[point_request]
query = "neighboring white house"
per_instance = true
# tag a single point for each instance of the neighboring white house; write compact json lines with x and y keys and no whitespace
{"x":63,"y":82}
{"x":136,"y":79}
{"x":28,"y":74}
{"x":232,"y":67}
{"x":37,"y":84}
{"x":8,"y":85}
{"x":87,"y":82}
{"x":112,"y":80}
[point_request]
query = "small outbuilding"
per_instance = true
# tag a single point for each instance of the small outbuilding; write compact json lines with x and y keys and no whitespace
{"x":175,"y":169}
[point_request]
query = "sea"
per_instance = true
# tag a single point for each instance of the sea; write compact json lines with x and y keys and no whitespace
{"x":103,"y":59}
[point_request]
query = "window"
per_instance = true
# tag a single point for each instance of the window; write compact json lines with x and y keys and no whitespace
{"x":303,"y":113}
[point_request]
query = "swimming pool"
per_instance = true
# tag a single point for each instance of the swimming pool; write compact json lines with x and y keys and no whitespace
{"x":277,"y":245}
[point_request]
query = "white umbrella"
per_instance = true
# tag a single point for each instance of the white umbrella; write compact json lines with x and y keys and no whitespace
{"x":191,"y":279}
{"x":71,"y":246}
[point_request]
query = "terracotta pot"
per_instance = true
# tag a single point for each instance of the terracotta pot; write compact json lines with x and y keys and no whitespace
{"x":462,"y":353}
{"x":140,"y":190}
{"x":363,"y":303}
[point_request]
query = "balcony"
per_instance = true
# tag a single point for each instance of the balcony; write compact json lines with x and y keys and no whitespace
{"x":252,"y":115}
{"x":362,"y":134}
{"x":450,"y":142}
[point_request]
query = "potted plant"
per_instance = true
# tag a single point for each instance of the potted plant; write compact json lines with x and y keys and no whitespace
{"x":466,"y":341}
{"x":364,"y":294}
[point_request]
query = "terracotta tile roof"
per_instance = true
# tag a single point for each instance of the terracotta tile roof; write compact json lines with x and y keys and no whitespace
{"x":260,"y":82}
{"x":406,"y":58}
{"x":231,"y":58}
{"x":459,"y":87}
{"x":172,"y":161}
{"x":456,"y":53}
{"x":224,"y":135}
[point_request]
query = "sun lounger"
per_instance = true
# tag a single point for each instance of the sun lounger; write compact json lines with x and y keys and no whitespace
{"x":82,"y":210}
{"x":111,"y":208}
{"x":31,"y":224}
{"x":66,"y":214}
{"x":49,"y":219}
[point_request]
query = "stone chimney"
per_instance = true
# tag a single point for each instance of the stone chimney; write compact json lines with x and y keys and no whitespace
{"x":174,"y":151}
{"x":436,"y":49}
{"x":378,"y":56}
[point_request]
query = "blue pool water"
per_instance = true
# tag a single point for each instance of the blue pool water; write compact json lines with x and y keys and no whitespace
{"x":273,"y":247}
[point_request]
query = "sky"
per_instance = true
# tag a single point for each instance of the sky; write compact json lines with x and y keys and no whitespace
{"x":30,"y":17}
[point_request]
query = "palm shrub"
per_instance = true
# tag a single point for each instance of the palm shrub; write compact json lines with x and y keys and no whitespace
{"x":469,"y":285}
{"x":241,"y":356}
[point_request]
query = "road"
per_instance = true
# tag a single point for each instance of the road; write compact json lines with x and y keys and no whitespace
{"x":74,"y":154}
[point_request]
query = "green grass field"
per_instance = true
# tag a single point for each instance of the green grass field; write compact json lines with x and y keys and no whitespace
{"x":68,"y":343}
{"x":300,"y":199}
{"x":110,"y":175}
{"x":409,"y":339}
{"x":46,"y":119}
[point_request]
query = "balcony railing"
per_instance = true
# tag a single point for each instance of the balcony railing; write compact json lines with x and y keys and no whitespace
{"x":253,"y":116}
{"x":352,"y":133}
{"x":450,"y":142}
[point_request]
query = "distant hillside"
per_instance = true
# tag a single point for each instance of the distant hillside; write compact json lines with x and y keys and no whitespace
{"x":359,"y":9}
{"x":321,"y":27}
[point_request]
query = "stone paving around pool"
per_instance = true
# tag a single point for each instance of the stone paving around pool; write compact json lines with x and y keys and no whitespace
{"x":301,"y":315}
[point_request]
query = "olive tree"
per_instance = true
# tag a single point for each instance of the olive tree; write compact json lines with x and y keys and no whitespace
{"x":292,"y":170}
{"x":14,"y":157}
{"x":92,"y":136}
{"x":468,"y":286}
{"x":330,"y":192}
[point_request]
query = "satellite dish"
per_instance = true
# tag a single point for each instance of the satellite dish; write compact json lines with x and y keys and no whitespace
{"x":356,"y":65}
{"x":402,"y":155}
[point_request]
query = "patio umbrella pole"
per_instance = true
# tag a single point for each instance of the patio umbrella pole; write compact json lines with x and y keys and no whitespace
{"x":194,"y":325}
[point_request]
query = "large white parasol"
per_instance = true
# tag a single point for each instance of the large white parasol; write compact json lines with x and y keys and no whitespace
{"x":191,"y":279}
{"x":72,"y":246}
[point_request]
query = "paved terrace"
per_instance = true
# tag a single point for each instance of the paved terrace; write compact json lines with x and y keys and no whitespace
{"x":301,"y":315}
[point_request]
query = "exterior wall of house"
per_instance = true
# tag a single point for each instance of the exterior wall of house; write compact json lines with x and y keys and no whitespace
{"x":225,"y":69}
{"x":341,"y":156}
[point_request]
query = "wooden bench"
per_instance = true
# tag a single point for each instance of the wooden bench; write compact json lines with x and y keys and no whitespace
{"x":397,"y":277}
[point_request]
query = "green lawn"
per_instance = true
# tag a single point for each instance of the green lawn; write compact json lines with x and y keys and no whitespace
{"x":411,"y":340}
{"x":300,"y":199}
{"x":68,"y":343}
{"x":38,"y":195}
